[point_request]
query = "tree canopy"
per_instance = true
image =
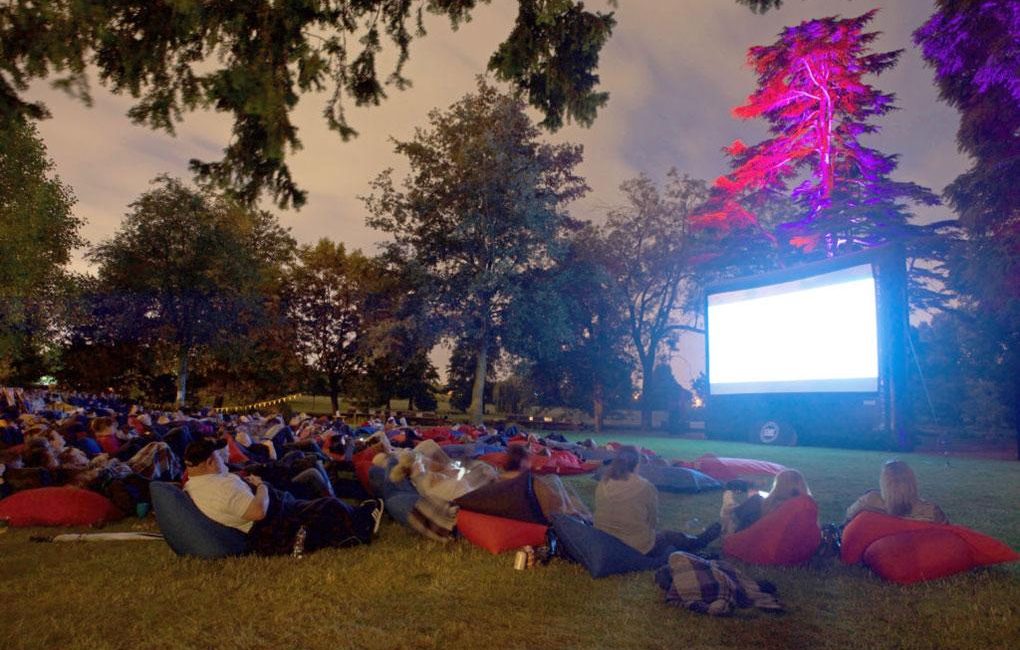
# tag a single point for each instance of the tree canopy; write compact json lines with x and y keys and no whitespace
{"x":811,"y":91}
{"x":185,"y":266}
{"x":483,"y":204}
{"x":254,"y":60}
{"x":653,"y":243}
{"x":974,"y":48}
{"x":39,"y":231}
{"x":328,"y":294}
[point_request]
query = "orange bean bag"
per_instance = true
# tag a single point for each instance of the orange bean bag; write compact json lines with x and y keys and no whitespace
{"x":58,"y":506}
{"x":498,"y":534}
{"x":907,"y":551}
{"x":786,"y":536}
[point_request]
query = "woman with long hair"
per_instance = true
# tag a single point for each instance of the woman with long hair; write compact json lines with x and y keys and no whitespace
{"x":627,"y":507}
{"x":787,"y":485}
{"x":897,"y":496}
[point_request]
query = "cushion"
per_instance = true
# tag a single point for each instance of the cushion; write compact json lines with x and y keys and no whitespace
{"x":786,"y":536}
{"x":868,"y":528}
{"x":58,"y":506}
{"x":497,"y":459}
{"x":399,"y":506}
{"x":511,"y":498}
{"x":561,"y":462}
{"x":599,"y":552}
{"x":187,"y":530}
{"x":236,"y":454}
{"x":498,"y":534}
{"x":726,"y":469}
{"x":918,"y":555}
{"x":668,"y":478}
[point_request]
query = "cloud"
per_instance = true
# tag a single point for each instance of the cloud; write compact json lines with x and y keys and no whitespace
{"x":673,"y":69}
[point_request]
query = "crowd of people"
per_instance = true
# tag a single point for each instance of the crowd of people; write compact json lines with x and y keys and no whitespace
{"x":276,"y":480}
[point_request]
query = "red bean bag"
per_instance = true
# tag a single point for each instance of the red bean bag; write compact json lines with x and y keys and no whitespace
{"x":786,"y":536}
{"x":58,"y":506}
{"x":498,"y":534}
{"x":918,"y":555}
{"x":561,"y":462}
{"x":727,"y":469}
{"x":497,"y":459}
{"x":867,"y":529}
{"x":235,"y":455}
{"x":436,"y":433}
{"x":362,"y":462}
{"x":109,"y":444}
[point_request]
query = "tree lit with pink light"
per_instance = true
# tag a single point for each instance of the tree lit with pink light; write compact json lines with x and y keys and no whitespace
{"x":813,"y":94}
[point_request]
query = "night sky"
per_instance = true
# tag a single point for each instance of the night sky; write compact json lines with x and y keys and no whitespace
{"x":673,"y":69}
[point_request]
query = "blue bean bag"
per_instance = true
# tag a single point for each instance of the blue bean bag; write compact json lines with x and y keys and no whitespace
{"x":668,"y":478}
{"x":187,"y":530}
{"x":599,"y":552}
{"x":400,"y":498}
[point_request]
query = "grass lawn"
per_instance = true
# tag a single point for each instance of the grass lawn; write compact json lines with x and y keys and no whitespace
{"x":406,"y":592}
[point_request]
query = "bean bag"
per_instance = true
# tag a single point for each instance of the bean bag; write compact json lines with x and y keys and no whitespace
{"x":236,"y":455}
{"x":726,"y":469}
{"x":918,"y":555}
{"x":867,"y":529}
{"x":787,"y":536}
{"x":58,"y":506}
{"x":668,"y":478}
{"x":497,"y":459}
{"x":511,"y":498}
{"x":89,"y":446}
{"x":599,"y":552}
{"x":362,"y":464}
{"x":187,"y":530}
{"x":562,"y":463}
{"x":498,"y":534}
{"x":399,"y":506}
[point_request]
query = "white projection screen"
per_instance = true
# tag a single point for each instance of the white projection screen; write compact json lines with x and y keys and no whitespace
{"x":816,"y":334}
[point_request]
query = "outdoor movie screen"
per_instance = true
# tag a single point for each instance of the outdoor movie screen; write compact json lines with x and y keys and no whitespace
{"x":816,"y":334}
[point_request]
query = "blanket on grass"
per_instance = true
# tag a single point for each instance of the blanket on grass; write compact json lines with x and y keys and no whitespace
{"x":712,"y":586}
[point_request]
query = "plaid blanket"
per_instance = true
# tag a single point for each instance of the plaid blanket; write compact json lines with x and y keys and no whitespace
{"x":434,"y":518}
{"x":712,"y":587}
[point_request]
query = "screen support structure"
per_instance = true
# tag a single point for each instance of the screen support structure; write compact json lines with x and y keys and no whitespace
{"x":891,"y":287}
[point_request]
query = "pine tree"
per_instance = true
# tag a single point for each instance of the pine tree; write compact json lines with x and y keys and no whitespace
{"x":812,"y":92}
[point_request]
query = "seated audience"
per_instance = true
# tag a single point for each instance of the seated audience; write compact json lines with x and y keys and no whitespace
{"x":627,"y":507}
{"x":897,"y":496}
{"x":554,"y":497}
{"x":272,"y":518}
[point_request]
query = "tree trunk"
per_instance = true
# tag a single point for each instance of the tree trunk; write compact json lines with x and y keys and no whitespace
{"x":334,"y":393}
{"x":598,"y":406}
{"x":646,"y":397}
{"x":182,"y":376}
{"x":477,"y":408}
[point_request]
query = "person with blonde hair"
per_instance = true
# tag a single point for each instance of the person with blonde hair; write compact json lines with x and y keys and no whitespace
{"x":897,"y":496}
{"x":788,"y":484}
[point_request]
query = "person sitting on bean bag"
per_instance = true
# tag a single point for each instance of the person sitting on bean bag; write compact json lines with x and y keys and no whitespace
{"x":627,"y":507}
{"x":553,"y":496}
{"x":897,"y":496}
{"x":735,"y":517}
{"x":272,"y":518}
